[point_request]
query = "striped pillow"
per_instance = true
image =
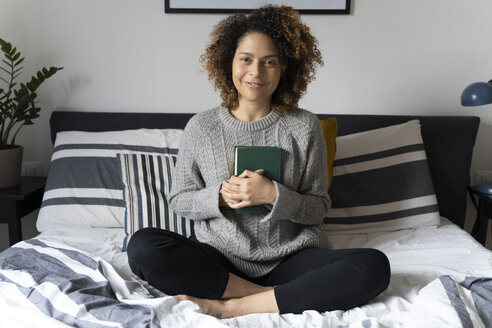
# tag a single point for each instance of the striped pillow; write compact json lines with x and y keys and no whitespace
{"x":84,"y":187}
{"x":381,"y":182}
{"x":147,"y":183}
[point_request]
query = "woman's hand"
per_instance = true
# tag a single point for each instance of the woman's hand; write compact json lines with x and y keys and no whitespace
{"x":247,"y":189}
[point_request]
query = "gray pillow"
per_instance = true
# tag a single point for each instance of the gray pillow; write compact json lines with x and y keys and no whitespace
{"x":381,"y":182}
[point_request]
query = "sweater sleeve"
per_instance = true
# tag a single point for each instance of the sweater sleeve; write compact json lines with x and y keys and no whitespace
{"x":310,"y":202}
{"x":189,"y":196}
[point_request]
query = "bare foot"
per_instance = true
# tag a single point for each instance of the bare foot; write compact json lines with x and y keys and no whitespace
{"x":214,"y":308}
{"x":264,"y":302}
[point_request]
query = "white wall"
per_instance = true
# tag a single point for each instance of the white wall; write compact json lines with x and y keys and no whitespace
{"x":387,"y":57}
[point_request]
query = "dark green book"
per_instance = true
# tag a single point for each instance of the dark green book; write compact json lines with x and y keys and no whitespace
{"x":254,"y":158}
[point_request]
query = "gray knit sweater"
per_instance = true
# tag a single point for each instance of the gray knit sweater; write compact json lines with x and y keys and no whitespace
{"x":255,"y":244}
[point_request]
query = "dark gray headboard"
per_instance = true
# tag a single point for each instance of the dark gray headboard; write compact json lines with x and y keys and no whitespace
{"x":448,"y":140}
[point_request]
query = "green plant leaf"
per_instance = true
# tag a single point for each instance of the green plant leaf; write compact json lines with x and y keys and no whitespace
{"x":8,"y":63}
{"x":31,"y":86}
{"x":22,"y":92}
{"x":17,"y":72}
{"x":19,"y":61}
{"x":8,"y":93}
{"x":6,"y":47}
{"x":5,"y":70}
{"x":40,"y":77}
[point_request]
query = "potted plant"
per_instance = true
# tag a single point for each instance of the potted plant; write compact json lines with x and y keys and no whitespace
{"x":17,"y":108}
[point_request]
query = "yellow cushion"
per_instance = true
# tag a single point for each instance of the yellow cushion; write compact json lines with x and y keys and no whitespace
{"x":330,"y":130}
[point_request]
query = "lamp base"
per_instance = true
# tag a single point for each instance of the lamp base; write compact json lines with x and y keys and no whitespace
{"x":485,"y":187}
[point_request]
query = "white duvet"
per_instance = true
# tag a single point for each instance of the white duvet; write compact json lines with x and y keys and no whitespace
{"x":441,"y":277}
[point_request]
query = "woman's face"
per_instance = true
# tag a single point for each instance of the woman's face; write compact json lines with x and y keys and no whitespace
{"x":256,"y":69}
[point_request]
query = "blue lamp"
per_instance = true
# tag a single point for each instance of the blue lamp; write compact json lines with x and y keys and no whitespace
{"x":477,"y":94}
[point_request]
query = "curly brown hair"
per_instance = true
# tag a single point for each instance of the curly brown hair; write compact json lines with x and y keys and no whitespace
{"x":298,"y":53}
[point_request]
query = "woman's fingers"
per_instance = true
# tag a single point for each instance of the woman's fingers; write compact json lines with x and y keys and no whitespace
{"x":230,"y":196}
{"x":229,"y":187}
{"x":238,"y":205}
{"x":249,"y":174}
{"x":249,"y":188}
{"x":230,"y":199}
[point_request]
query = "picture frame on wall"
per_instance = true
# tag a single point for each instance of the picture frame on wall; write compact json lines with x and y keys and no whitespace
{"x":341,"y":7}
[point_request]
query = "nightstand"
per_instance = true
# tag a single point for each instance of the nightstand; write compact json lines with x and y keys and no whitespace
{"x":16,"y":202}
{"x":484,"y":213}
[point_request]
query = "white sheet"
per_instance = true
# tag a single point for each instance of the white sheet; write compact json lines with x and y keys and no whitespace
{"x":415,"y":297}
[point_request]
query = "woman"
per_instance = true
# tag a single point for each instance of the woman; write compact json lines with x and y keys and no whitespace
{"x":252,"y":263}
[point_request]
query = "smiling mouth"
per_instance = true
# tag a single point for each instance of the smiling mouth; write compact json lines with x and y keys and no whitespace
{"x":253,"y":84}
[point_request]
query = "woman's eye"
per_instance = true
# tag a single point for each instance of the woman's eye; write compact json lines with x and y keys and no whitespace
{"x":270,"y":62}
{"x":244,"y":59}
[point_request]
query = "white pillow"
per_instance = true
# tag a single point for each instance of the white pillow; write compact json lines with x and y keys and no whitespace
{"x":381,"y":182}
{"x":84,"y":187}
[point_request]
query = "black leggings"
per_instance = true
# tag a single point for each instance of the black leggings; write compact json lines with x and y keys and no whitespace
{"x":311,"y":279}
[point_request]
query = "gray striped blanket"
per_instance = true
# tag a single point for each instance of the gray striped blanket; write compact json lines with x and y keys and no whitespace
{"x":68,"y":286}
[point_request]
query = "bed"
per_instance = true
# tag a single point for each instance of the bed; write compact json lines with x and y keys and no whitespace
{"x":75,"y":272}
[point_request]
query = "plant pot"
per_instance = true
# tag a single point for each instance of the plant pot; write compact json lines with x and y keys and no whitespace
{"x":10,"y":166}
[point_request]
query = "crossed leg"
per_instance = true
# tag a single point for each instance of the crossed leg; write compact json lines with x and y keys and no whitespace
{"x":314,"y":279}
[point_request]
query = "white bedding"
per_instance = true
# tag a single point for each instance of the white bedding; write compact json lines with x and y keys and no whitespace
{"x":428,"y":264}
